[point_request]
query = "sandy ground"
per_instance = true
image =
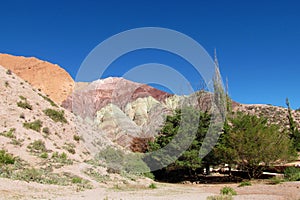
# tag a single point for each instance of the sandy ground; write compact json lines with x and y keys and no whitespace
{"x":11,"y":189}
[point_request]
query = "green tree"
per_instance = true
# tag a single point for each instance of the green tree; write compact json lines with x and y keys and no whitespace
{"x":294,"y":131}
{"x":189,"y":160}
{"x":251,"y":143}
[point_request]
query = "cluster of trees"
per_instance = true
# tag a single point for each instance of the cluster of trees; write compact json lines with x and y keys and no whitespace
{"x":247,"y":141}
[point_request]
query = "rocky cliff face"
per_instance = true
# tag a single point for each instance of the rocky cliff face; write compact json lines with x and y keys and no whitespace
{"x":49,"y":78}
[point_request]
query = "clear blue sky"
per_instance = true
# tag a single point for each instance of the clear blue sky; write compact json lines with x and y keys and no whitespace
{"x":258,"y":42}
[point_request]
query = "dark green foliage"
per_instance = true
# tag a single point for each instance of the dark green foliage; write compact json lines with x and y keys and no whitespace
{"x":188,"y":132}
{"x":46,"y":130}
{"x":117,"y":161}
{"x":294,"y":131}
{"x":6,"y":158}
{"x":152,"y":186}
{"x":228,"y":191}
{"x":251,"y":143}
{"x":57,"y":116}
{"x":35,"y":125}
{"x":37,"y":146}
{"x":9,"y":134}
{"x":76,"y":138}
{"x":292,"y":174}
{"x":24,"y":104}
{"x":245,"y":183}
{"x":77,"y":180}
{"x":48,"y":99}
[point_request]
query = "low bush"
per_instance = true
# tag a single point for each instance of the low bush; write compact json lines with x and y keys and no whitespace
{"x":292,"y":174}
{"x":152,"y":186}
{"x":275,"y":180}
{"x":9,"y":134}
{"x":35,"y":125}
{"x":46,"y":130}
{"x":76,"y":138}
{"x":38,"y":146}
{"x":220,"y":197}
{"x":76,"y":180}
{"x":56,"y":116}
{"x":6,"y":158}
{"x":228,"y":191}
{"x":44,"y":155}
{"x":24,"y":105}
{"x":244,"y":183}
{"x":48,"y":99}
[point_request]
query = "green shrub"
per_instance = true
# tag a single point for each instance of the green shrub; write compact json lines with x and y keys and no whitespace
{"x":245,"y":183}
{"x":228,"y":191}
{"x":24,"y":105}
{"x":46,"y":130}
{"x":76,"y":138}
{"x":44,"y":155}
{"x":36,"y":125}
{"x":152,"y":186}
{"x":275,"y":180}
{"x":38,"y":145}
{"x":292,"y":174}
{"x":9,"y":134}
{"x":70,"y":148}
{"x":48,"y":99}
{"x":22,"y":98}
{"x":61,"y":158}
{"x":220,"y":197}
{"x":76,"y":180}
{"x":6,"y":158}
{"x":113,"y":157}
{"x":56,"y":116}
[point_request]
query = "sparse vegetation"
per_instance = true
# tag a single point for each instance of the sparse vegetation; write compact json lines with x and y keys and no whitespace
{"x":9,"y":134}
{"x":76,"y":138}
{"x":37,"y":146}
{"x":275,"y":180}
{"x":46,"y":130}
{"x":69,"y":147}
{"x":227,"y":191}
{"x":220,"y":197}
{"x":292,"y":174}
{"x":6,"y":158}
{"x":24,"y":104}
{"x":152,"y":186}
{"x":60,"y":158}
{"x":44,"y":155}
{"x":245,"y":183}
{"x":6,"y":84}
{"x":76,"y":180}
{"x":56,"y":116}
{"x":48,"y":99}
{"x":35,"y":125}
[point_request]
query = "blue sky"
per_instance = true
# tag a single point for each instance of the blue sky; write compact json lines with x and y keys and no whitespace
{"x":258,"y":42}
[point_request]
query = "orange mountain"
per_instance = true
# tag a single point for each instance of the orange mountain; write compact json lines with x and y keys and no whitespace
{"x":49,"y":78}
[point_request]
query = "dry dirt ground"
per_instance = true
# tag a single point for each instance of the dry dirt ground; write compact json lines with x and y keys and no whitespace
{"x":10,"y":189}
